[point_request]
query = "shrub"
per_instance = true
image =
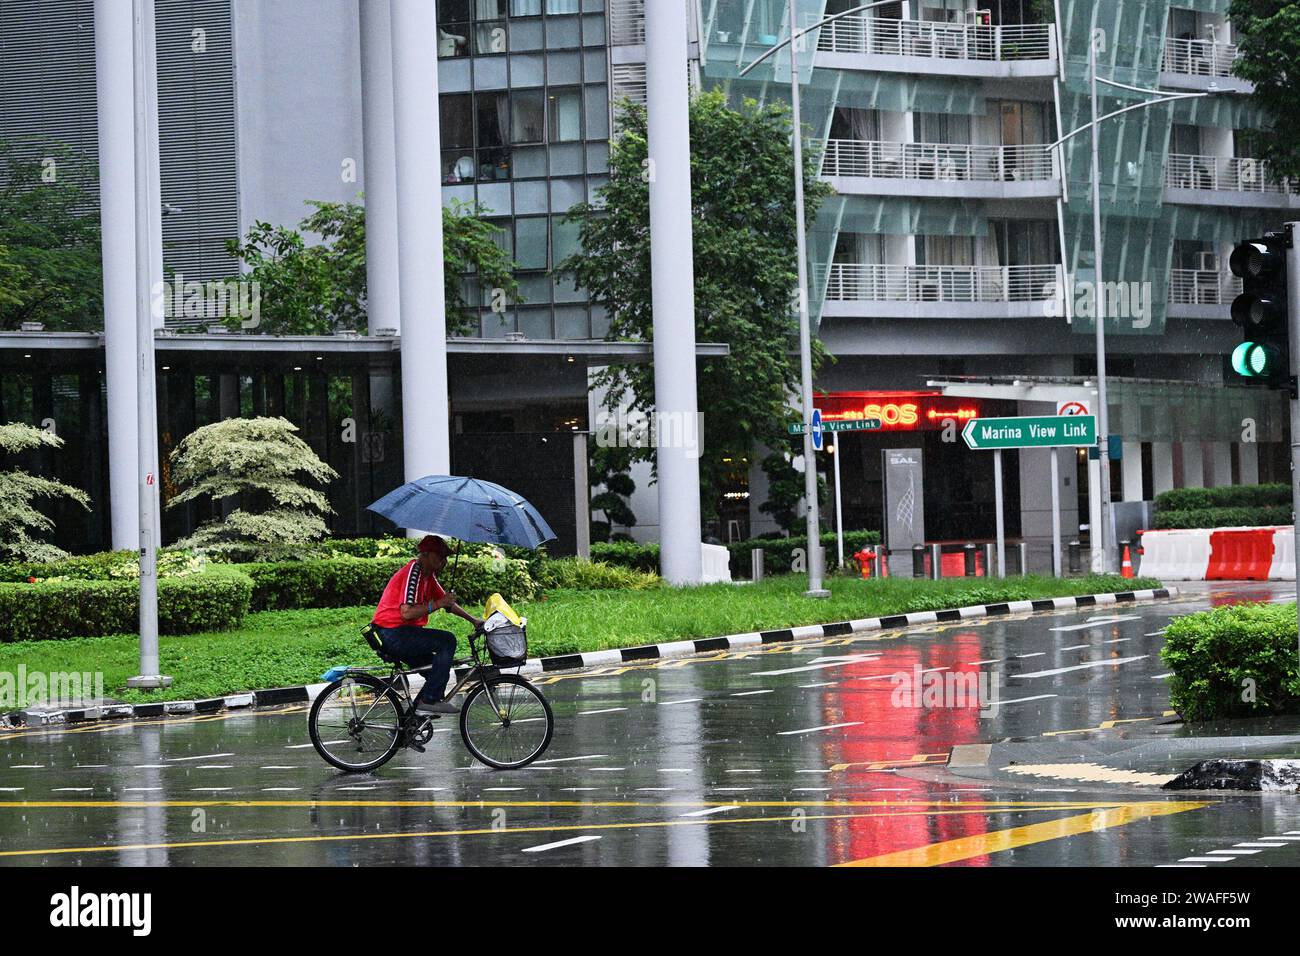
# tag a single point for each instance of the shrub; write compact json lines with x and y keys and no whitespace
{"x":215,"y":599}
{"x":1233,"y":496}
{"x":778,"y":553}
{"x":1236,"y":660}
{"x":1235,"y":517}
{"x":349,"y":582}
{"x":627,"y":554}
{"x":104,"y":566}
{"x":593,"y":575}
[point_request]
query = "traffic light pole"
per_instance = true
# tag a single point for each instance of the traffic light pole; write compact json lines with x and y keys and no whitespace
{"x":1292,"y":231}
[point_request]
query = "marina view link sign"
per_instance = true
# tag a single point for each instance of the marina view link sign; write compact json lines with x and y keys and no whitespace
{"x":1034,"y":431}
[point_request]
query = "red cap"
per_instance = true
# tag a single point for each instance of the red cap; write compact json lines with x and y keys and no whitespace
{"x":431,"y":542}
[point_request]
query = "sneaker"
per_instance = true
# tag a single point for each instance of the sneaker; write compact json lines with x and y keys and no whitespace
{"x":440,"y":707}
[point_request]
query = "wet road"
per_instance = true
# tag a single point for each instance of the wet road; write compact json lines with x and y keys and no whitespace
{"x":813,"y":753}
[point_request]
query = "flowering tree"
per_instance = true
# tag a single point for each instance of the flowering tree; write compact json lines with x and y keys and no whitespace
{"x":19,"y":517}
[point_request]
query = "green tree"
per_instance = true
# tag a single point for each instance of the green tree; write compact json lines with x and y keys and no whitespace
{"x":742,"y":193}
{"x":316,"y":287}
{"x":785,"y":492}
{"x":1267,"y":33}
{"x":50,"y":267}
{"x":263,"y":462}
{"x":609,"y":472}
{"x":19,"y":517}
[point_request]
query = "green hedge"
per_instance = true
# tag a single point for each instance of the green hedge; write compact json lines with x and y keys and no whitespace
{"x":1235,"y":517}
{"x":574,"y":573}
{"x":627,"y":554}
{"x":1233,"y":496}
{"x":215,"y":599}
{"x":778,"y":553}
{"x":348,"y":582}
{"x":1237,"y":660}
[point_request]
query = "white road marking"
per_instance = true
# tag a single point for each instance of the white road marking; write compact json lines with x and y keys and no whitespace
{"x":708,"y":810}
{"x":150,"y":766}
{"x":688,"y":700}
{"x":1180,"y":866}
{"x":820,"y":663}
{"x":826,"y":684}
{"x":1035,"y":654}
{"x":812,"y":771}
{"x":751,"y":693}
{"x":1117,"y":640}
{"x":1263,"y":845}
{"x":1155,"y":633}
{"x":210,"y":789}
{"x":1234,"y":852}
{"x":1204,"y":859}
{"x":501,"y":789}
{"x":813,"y":730}
{"x":1074,"y":647}
{"x":1162,"y":676}
{"x":358,"y":788}
{"x":732,"y":789}
{"x":1019,"y":700}
{"x":11,"y":789}
{"x":607,"y":710}
{"x":426,"y":789}
{"x":578,"y":789}
{"x":27,"y":766}
{"x":810,"y":790}
{"x":73,"y":790}
{"x":91,"y":766}
{"x":554,"y":846}
{"x":141,"y":789}
{"x":1096,"y":622}
{"x":214,"y":766}
{"x":675,"y":770}
{"x":204,"y":757}
{"x":744,"y":771}
{"x":655,"y":789}
{"x":606,"y":768}
{"x":1079,"y":667}
{"x":991,"y":660}
{"x":280,"y":789}
{"x":1056,"y":789}
{"x":567,"y":759}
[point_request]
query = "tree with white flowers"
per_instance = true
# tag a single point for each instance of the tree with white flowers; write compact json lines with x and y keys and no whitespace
{"x":20,"y":520}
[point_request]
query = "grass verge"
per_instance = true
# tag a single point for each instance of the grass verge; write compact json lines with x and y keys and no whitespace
{"x":284,"y":648}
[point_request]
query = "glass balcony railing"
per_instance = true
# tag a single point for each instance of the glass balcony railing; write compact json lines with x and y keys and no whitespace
{"x":962,"y":41}
{"x":867,"y":282}
{"x":1198,"y":57}
{"x":1228,"y":173}
{"x":937,"y":162}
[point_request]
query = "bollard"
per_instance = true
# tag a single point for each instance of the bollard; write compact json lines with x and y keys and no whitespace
{"x":990,"y":559}
{"x":918,"y":561}
{"x":1076,"y":557}
{"x":882,"y":561}
{"x":1024,"y":558}
{"x":936,"y":562}
{"x":970,"y":568}
{"x":756,"y":565}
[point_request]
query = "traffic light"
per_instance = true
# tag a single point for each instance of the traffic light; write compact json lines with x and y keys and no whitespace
{"x":1261,"y":309}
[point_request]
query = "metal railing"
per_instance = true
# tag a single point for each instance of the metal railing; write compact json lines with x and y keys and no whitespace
{"x":962,"y":41}
{"x":1202,"y":287}
{"x":937,"y":162}
{"x":626,"y":22}
{"x":1198,"y":57}
{"x":866,"y":282}
{"x":1231,"y":173}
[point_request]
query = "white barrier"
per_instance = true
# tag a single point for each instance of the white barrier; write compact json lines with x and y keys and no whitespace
{"x":1182,"y":555}
{"x":715,"y":564}
{"x":1283,"y":566}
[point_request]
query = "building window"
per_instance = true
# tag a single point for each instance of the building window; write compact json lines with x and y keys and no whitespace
{"x":565,"y":116}
{"x":529,"y":116}
{"x":531,"y":250}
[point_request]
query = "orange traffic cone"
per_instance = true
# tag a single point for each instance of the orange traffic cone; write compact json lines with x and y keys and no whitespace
{"x":1126,"y":565}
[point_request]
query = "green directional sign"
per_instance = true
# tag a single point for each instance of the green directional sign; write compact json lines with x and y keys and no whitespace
{"x":1033,"y":431}
{"x":852,"y":425}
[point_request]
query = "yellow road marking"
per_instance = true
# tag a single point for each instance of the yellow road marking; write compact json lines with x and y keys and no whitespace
{"x":967,"y":848}
{"x":912,"y":761}
{"x":481,"y":831}
{"x":397,"y":804}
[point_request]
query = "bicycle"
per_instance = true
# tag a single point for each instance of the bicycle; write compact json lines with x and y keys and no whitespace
{"x":360,"y":721}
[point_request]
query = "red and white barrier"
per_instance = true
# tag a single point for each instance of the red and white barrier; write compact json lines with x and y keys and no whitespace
{"x":1219,"y":554}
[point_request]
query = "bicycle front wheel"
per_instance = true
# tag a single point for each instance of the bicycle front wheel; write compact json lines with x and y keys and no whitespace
{"x":506,"y":722}
{"x":356,"y":723}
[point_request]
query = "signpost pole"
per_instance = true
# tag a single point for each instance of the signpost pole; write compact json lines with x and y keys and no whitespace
{"x":997,"y":504}
{"x":1056,"y":513}
{"x":839,"y":504}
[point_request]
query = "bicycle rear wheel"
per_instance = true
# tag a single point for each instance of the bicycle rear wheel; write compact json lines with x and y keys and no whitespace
{"x":356,"y":723}
{"x":506,"y":722}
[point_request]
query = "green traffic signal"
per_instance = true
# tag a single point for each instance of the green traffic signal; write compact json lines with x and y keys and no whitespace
{"x":1256,"y":360}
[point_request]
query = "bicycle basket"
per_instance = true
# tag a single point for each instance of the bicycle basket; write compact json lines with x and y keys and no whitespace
{"x":507,"y":645}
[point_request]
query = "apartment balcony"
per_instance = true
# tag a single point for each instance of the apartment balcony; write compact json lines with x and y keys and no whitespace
{"x":1201,"y":293}
{"x":1226,"y":181}
{"x":955,"y":49}
{"x":865,"y":290}
{"x":944,"y":170}
{"x":1200,"y":64}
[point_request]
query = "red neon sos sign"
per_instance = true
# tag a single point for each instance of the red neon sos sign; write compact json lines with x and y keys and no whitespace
{"x":898,"y":411}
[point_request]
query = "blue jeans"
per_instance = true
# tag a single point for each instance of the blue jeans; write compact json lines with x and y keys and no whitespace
{"x":422,"y":647}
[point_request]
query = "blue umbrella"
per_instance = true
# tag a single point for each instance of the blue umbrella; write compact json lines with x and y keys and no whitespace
{"x":469,"y":509}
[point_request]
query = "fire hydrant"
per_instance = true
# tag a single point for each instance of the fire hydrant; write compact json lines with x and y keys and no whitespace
{"x":865,"y":559}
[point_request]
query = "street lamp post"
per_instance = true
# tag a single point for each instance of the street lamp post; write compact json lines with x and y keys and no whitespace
{"x":816,"y":569}
{"x":1106,"y":533}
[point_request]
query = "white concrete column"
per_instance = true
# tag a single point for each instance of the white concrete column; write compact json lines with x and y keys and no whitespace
{"x":379,"y":167}
{"x":1162,"y":466}
{"x":425,"y":426}
{"x":1248,"y":456}
{"x":1097,"y":556}
{"x":153,"y":159}
{"x":1220,"y":462}
{"x":1132,"y":471}
{"x":673,"y":290}
{"x":114,"y":79}
{"x":1193,"y":464}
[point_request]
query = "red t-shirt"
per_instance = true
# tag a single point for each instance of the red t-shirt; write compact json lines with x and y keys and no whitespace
{"x":410,"y":585}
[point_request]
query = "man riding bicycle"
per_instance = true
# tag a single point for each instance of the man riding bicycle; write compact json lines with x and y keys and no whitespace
{"x":412,"y":595}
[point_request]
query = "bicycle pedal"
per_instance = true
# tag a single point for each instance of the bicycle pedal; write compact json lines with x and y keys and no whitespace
{"x":418,"y":748}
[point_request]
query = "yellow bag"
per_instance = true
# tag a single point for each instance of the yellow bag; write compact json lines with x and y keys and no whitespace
{"x":497,"y":603}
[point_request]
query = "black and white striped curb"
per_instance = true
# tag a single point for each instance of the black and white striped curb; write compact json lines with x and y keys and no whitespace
{"x":623,"y":655}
